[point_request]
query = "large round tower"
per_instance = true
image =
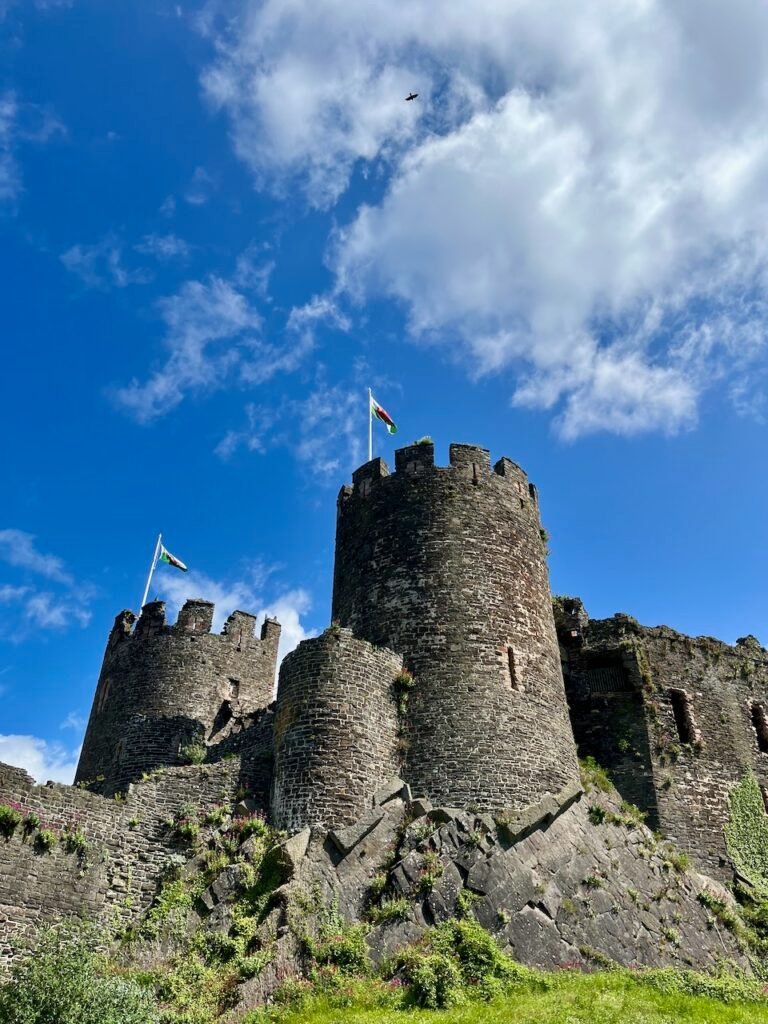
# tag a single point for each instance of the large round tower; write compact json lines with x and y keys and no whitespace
{"x":447,"y":567}
{"x":163,"y":687}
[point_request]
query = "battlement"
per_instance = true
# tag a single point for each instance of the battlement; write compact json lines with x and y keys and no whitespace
{"x":195,"y":617}
{"x":418,"y":460}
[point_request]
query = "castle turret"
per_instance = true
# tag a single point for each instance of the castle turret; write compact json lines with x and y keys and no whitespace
{"x":447,"y":567}
{"x":164,"y":687}
{"x":336,"y":730}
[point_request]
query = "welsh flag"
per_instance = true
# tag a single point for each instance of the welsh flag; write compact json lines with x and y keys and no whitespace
{"x":381,"y":414}
{"x":166,"y":556}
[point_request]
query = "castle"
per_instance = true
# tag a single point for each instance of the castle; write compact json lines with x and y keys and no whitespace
{"x":446,"y":666}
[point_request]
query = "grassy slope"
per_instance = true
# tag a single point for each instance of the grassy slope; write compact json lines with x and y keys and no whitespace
{"x":575,"y":999}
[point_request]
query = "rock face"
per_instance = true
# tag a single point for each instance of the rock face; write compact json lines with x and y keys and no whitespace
{"x":447,"y":567}
{"x":571,"y":882}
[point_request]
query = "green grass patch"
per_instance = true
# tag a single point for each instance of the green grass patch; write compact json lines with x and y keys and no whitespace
{"x":566,"y":997}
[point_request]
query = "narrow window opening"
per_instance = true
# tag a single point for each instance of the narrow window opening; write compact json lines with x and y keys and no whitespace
{"x":234,"y":689}
{"x":682,"y":706}
{"x":760,"y":722}
{"x":513,"y":678}
{"x":475,"y":478}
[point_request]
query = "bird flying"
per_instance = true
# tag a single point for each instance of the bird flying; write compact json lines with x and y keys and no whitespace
{"x":411,"y":97}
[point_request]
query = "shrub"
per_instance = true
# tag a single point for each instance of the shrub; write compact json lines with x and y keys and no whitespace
{"x":10,"y":819}
{"x":30,"y":823}
{"x":45,"y":840}
{"x":390,"y":910}
{"x":593,"y":776}
{"x":252,"y":825}
{"x":75,"y":841}
{"x":459,"y":960}
{"x":194,"y":752}
{"x":64,"y":980}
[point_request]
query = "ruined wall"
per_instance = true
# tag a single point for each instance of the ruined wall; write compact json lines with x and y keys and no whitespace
{"x":336,"y":730}
{"x":162,"y":687}
{"x":447,"y":567}
{"x":691,"y":719}
{"x":130,"y":845}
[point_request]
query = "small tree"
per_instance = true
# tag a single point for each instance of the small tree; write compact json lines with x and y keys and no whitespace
{"x":64,"y":979}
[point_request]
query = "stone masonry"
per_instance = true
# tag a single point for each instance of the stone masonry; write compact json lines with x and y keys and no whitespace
{"x":447,"y":566}
{"x":336,"y":730}
{"x":676,"y":720}
{"x":164,"y":687}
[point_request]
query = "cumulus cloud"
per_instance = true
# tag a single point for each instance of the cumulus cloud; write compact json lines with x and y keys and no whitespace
{"x":200,"y":188}
{"x":43,"y":760}
{"x":287,"y":607}
{"x":19,"y":549}
{"x":578,"y":207}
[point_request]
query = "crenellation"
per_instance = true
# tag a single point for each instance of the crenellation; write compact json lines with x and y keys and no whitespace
{"x":196,"y":616}
{"x":151,"y":620}
{"x":446,"y":669}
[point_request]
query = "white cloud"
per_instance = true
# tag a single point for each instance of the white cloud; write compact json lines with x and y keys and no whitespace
{"x":200,"y":315}
{"x":164,"y":247}
{"x":30,"y":606}
{"x":10,"y":174}
{"x":103,"y":265}
{"x":74,"y":721}
{"x":43,"y":760}
{"x":214,"y":334}
{"x":18,"y":548}
{"x":200,"y":188}
{"x":323,"y":430}
{"x":572,"y":197}
{"x":287,"y":607}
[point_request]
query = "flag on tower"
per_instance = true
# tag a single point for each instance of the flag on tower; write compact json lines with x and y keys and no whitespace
{"x":381,"y":414}
{"x":166,"y":556}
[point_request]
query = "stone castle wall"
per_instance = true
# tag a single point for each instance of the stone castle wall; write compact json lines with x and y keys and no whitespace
{"x":336,"y":730}
{"x":676,"y":720}
{"x":130,"y":846}
{"x":447,"y":567}
{"x":163,"y":687}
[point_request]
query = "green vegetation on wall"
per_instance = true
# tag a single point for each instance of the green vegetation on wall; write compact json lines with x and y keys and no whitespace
{"x":746,"y":833}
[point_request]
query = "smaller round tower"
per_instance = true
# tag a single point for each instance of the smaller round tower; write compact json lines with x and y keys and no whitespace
{"x":336,"y":730}
{"x":162,"y":687}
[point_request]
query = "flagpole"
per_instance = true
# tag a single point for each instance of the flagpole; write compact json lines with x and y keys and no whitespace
{"x":151,"y":570}
{"x":370,"y":426}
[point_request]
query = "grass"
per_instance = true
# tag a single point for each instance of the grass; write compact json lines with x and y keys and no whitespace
{"x":617,"y":997}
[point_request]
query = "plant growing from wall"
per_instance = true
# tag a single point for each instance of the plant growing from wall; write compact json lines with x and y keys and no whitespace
{"x":45,"y":840}
{"x":10,"y":819}
{"x":194,"y":752}
{"x":402,"y":685}
{"x":746,"y":833}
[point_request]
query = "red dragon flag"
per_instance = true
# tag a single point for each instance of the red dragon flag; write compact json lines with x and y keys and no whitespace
{"x":166,"y":556}
{"x":380,"y":413}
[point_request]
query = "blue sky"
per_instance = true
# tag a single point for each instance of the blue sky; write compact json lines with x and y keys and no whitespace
{"x":220,"y":223}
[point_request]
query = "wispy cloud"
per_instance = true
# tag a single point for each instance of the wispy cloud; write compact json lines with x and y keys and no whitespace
{"x":28,"y":604}
{"x":19,"y":549}
{"x":10,"y":173}
{"x":43,"y":760}
{"x":214,"y":334}
{"x":164,"y":247}
{"x":74,"y":721}
{"x":102,"y":265}
{"x":200,"y":188}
